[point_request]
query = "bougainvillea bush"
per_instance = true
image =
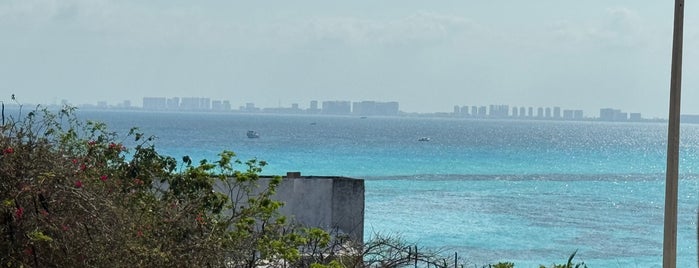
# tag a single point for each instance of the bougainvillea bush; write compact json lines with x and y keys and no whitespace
{"x":74,"y":194}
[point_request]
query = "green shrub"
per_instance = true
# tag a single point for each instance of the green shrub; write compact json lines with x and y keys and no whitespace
{"x":503,"y":265}
{"x":74,"y":195}
{"x":569,"y":264}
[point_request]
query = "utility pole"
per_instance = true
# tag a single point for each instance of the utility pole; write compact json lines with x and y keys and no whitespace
{"x":673,"y":143}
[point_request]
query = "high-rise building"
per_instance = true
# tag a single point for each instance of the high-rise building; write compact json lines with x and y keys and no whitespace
{"x":499,"y":111}
{"x":522,"y":111}
{"x":548,"y":112}
{"x":568,"y":114}
{"x":540,"y":112}
{"x":173,"y":103}
{"x":609,"y":114}
{"x":313,"y":107}
{"x":204,"y":104}
{"x":482,"y":111}
{"x":154,"y":103}
{"x":250,"y":107}
{"x":216,"y":105}
{"x":220,"y":105}
{"x":464,"y":110}
{"x":622,"y":116}
{"x":189,"y":104}
{"x":388,"y":108}
{"x":556,"y":112}
{"x":635,"y":117}
{"x":337,"y":107}
{"x":377,"y":108}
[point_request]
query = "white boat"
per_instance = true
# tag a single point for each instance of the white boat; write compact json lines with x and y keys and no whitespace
{"x":424,"y":139}
{"x":253,"y":134}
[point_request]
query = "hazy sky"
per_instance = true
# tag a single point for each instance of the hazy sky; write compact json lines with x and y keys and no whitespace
{"x":427,"y":55}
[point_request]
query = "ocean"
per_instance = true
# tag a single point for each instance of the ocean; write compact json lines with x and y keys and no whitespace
{"x":529,"y":192}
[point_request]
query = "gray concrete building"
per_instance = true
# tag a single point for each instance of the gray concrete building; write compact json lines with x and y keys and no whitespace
{"x":331,"y":203}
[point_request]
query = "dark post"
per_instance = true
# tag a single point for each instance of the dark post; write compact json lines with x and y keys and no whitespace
{"x":416,"y":257}
{"x":673,"y":141}
{"x":456,"y":259}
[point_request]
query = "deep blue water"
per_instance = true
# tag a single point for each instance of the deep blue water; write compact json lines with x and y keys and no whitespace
{"x":531,"y":192}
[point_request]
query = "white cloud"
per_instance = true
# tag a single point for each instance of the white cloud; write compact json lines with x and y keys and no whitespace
{"x":105,"y":21}
{"x":137,"y":24}
{"x":416,"y":29}
{"x":618,"y":27}
{"x":623,"y":27}
{"x":44,"y":13}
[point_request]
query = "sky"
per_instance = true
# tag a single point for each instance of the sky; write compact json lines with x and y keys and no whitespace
{"x":427,"y":55}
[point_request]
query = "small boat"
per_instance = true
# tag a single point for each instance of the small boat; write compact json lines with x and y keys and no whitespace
{"x":424,"y":139}
{"x":253,"y":134}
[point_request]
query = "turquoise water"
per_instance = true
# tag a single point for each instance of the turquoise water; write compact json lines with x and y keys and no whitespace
{"x":530,"y":192}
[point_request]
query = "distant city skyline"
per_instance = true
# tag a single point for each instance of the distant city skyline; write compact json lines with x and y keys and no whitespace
{"x":370,"y":107}
{"x":427,"y":56}
{"x":225,"y":104}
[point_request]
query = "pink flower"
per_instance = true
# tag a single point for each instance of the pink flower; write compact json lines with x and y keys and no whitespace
{"x":19,"y":212}
{"x":78,"y":184}
{"x":139,"y":233}
{"x":83,"y":167}
{"x":137,"y":181}
{"x":91,"y":143}
{"x":9,"y":150}
{"x":200,"y":219}
{"x":103,"y":178}
{"x":116,"y":146}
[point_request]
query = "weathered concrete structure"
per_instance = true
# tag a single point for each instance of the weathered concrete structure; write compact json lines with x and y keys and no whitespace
{"x":331,"y":203}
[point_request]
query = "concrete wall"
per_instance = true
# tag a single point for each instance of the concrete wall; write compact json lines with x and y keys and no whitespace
{"x":331,"y":203}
